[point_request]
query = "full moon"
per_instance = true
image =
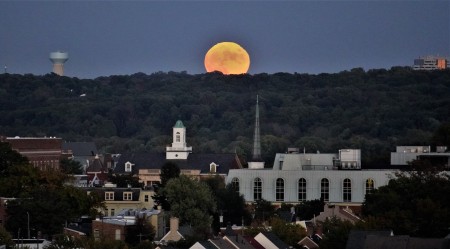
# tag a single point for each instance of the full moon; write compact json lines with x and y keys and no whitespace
{"x":228,"y":58}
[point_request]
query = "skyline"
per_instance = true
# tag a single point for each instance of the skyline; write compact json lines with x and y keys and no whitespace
{"x":118,"y":38}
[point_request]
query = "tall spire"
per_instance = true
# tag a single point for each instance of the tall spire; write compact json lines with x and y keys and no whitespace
{"x":257,"y":162}
{"x":256,"y":154}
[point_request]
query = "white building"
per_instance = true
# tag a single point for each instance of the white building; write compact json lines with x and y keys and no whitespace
{"x":299,"y":177}
{"x":431,"y":63}
{"x":296,"y":177}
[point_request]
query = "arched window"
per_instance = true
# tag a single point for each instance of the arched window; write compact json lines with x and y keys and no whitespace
{"x":212,"y":168}
{"x":347,"y":190}
{"x":177,"y":137}
{"x":302,"y":189}
{"x":235,"y":184}
{"x":279,"y":190}
{"x":257,"y":189}
{"x":370,"y":186}
{"x":325,"y":189}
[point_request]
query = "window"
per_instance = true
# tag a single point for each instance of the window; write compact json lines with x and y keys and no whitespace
{"x":109,"y":196}
{"x":370,"y":186}
{"x":302,"y":189}
{"x":325,"y":189}
{"x":117,"y":237}
{"x":177,"y":137}
{"x":235,"y":184}
{"x":257,"y":189}
{"x":347,"y":190}
{"x":113,"y":211}
{"x":145,"y":198}
{"x":127,"y":196}
{"x":128,"y":167}
{"x":212,"y":168}
{"x":279,"y":190}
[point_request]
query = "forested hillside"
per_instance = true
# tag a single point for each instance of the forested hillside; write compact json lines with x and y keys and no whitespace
{"x":374,"y":110}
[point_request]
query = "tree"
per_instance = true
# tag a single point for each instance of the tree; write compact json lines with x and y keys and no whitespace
{"x":69,"y":166}
{"x":168,"y":171}
{"x":125,"y":180}
{"x":290,"y":233}
{"x":308,"y":209}
{"x":413,"y":203}
{"x":191,"y":201}
{"x":335,"y":232}
{"x":5,"y":238}
{"x":230,"y":204}
{"x":263,"y":210}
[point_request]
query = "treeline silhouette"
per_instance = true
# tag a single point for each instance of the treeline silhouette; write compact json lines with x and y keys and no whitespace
{"x":373,"y":110}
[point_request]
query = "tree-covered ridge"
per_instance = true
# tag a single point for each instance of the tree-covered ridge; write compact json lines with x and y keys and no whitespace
{"x":374,"y":110}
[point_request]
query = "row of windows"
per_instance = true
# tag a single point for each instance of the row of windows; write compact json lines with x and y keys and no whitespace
{"x":127,"y":196}
{"x":324,"y":188}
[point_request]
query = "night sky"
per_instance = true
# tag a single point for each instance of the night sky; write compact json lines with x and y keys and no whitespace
{"x":124,"y":37}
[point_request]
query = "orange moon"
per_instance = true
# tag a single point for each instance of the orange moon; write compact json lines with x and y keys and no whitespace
{"x":228,"y":58}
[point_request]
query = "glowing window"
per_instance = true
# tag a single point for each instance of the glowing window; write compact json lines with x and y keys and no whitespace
{"x":370,"y":186}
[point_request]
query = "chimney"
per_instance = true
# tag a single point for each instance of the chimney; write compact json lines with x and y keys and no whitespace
{"x":174,"y":224}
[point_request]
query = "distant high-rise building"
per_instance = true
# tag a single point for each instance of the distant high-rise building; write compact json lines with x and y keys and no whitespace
{"x":58,"y":59}
{"x":431,"y":63}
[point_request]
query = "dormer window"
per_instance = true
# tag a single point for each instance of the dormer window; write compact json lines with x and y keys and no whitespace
{"x":127,"y":196}
{"x":213,"y":168}
{"x":128,"y":166}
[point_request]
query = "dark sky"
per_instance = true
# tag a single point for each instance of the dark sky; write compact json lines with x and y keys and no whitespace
{"x":124,"y":37}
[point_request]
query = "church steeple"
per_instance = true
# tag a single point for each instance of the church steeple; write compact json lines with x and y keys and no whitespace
{"x":257,"y":162}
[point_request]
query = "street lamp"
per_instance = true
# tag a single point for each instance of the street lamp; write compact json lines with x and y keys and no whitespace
{"x":28,"y":215}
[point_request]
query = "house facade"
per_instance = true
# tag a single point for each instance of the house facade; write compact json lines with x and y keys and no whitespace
{"x":147,"y":166}
{"x":117,"y":199}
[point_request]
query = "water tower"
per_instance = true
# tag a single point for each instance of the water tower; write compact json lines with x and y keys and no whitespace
{"x":58,"y":59}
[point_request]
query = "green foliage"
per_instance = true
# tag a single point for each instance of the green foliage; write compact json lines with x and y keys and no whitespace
{"x":142,"y":231}
{"x":373,"y":110}
{"x":191,"y":201}
{"x":40,"y":196}
{"x":168,"y":171}
{"x":5,"y":238}
{"x":413,"y":204}
{"x":69,"y":166}
{"x":336,"y":233}
{"x":290,"y":233}
{"x":125,"y":180}
{"x":308,"y":209}
{"x":230,"y":204}
{"x":263,"y":210}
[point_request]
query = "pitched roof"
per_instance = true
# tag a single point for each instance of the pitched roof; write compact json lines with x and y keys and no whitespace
{"x":239,"y":241}
{"x":357,"y":238}
{"x":308,"y":242}
{"x":275,"y":240}
{"x":118,"y":193}
{"x":96,"y":166}
{"x":80,"y":148}
{"x":221,"y":243}
{"x":225,"y":162}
